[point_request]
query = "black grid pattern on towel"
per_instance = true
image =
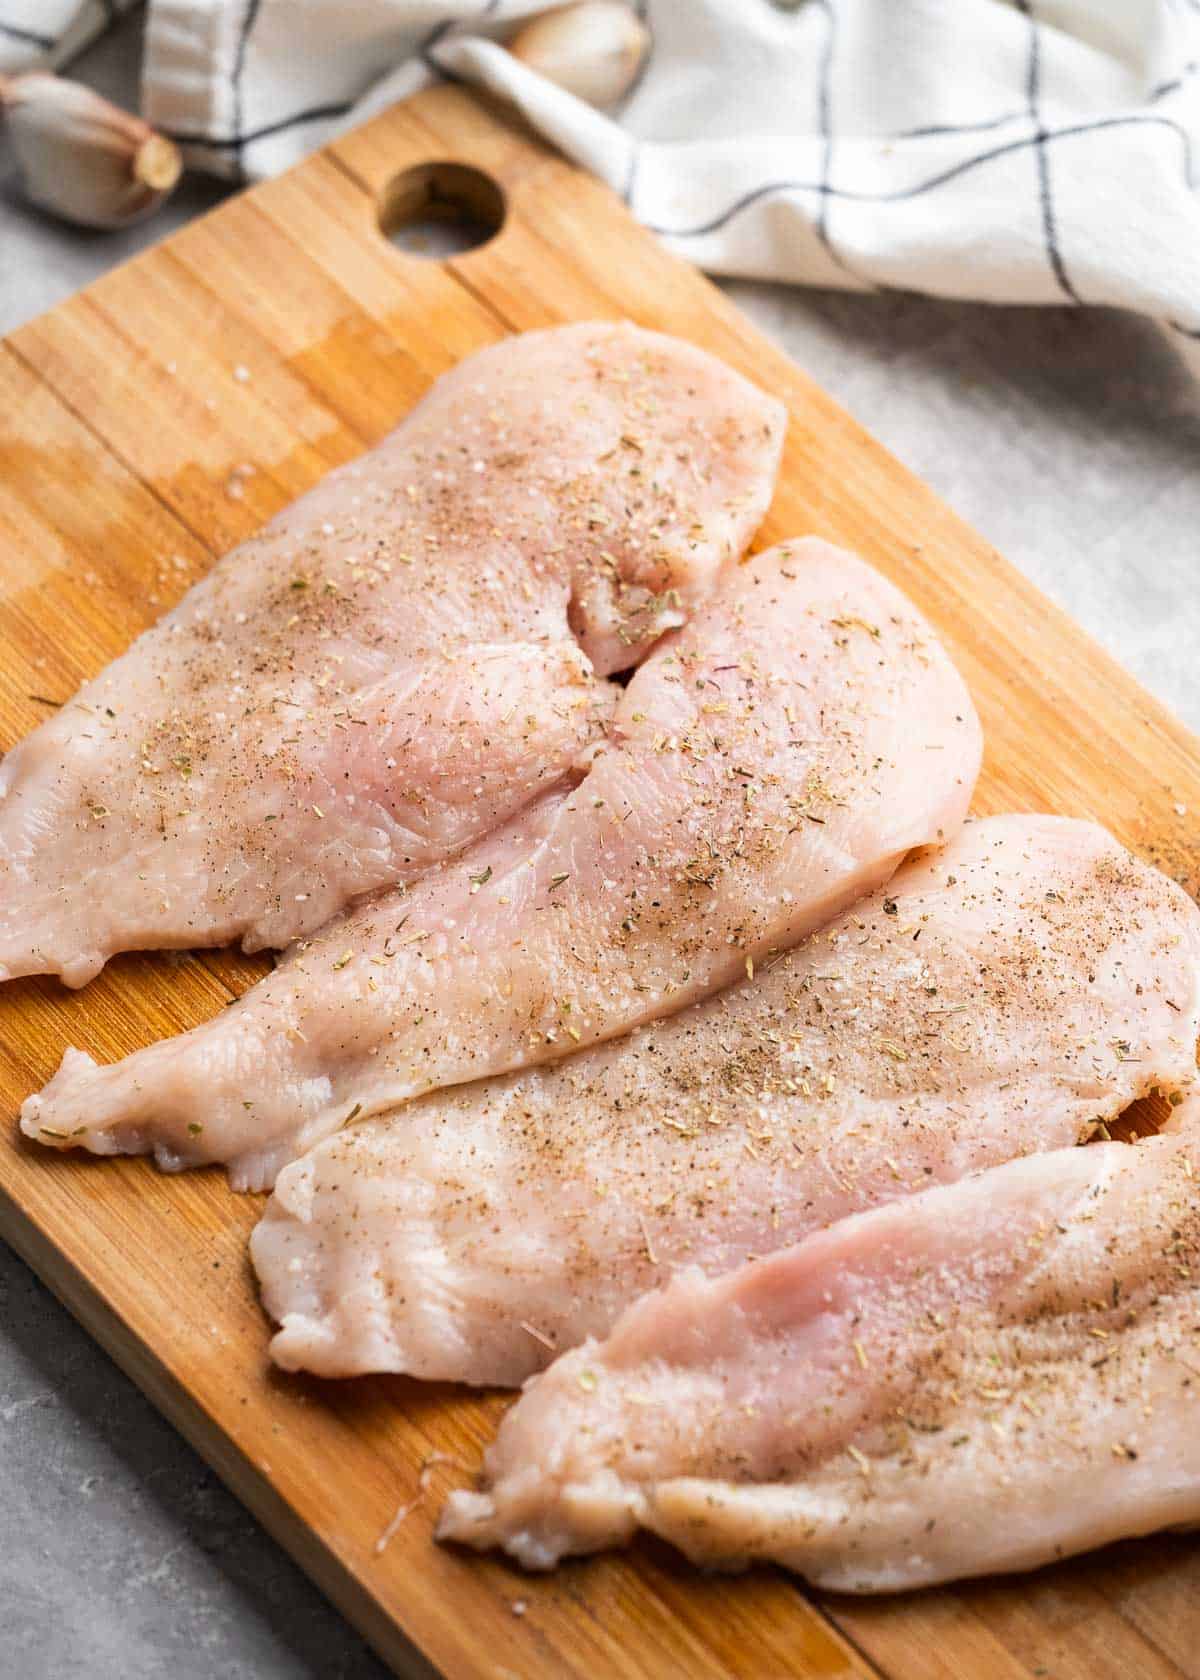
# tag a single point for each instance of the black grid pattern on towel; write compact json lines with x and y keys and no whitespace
{"x":952,"y":172}
{"x":249,"y":19}
{"x":243,"y":136}
{"x":27,"y":37}
{"x":47,"y":44}
{"x":1033,"y":89}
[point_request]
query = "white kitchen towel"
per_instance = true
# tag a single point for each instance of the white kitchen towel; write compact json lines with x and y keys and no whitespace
{"x":44,"y":34}
{"x":1018,"y":151}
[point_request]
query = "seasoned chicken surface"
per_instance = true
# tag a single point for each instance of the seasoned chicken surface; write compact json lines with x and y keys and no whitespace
{"x":399,"y":662}
{"x":1005,"y":994}
{"x":769,"y":764}
{"x":987,"y":1376}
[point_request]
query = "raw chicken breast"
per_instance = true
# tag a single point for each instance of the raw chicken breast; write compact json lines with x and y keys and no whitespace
{"x":390,"y":669}
{"x":1005,"y":994}
{"x":987,"y":1376}
{"x":769,"y":764}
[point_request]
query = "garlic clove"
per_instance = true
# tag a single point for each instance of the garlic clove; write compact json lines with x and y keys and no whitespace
{"x":82,"y":157}
{"x":593,"y":49}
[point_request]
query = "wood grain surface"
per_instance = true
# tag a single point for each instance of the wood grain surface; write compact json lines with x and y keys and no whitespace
{"x":158,"y":418}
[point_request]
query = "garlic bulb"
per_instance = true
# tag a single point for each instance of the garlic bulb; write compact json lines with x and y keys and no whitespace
{"x":81,"y":157}
{"x":593,"y":49}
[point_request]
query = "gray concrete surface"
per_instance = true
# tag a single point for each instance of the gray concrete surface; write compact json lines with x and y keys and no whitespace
{"x":1072,"y":441}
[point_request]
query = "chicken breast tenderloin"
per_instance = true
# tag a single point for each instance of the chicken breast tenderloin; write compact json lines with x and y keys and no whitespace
{"x":769,"y":764}
{"x":1005,"y":994}
{"x":399,"y":662}
{"x":988,"y":1376}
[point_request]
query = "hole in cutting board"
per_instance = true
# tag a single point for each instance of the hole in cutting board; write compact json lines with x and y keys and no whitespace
{"x":439,"y":210}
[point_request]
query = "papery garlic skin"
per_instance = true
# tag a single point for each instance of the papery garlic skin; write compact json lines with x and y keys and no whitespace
{"x":82,"y":157}
{"x":594,"y":49}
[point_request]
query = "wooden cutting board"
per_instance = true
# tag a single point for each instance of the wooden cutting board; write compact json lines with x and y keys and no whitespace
{"x":160,"y":417}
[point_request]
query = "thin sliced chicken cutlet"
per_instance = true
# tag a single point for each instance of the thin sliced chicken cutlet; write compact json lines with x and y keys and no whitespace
{"x":398,"y":663}
{"x":987,"y":1376}
{"x":1002,"y":995}
{"x":769,"y":764}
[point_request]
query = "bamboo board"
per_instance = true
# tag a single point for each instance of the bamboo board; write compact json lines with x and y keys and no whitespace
{"x":283,"y":333}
